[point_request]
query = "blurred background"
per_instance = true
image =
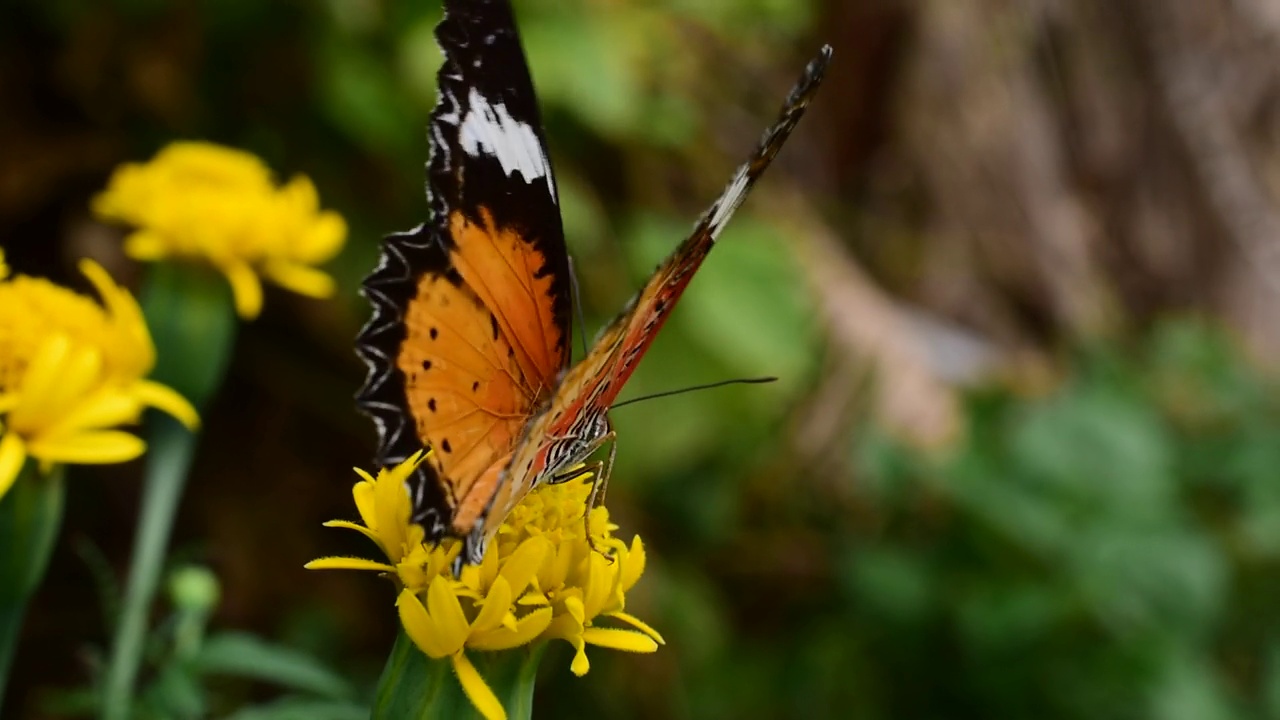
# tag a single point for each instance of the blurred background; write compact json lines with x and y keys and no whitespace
{"x":1017,"y":271}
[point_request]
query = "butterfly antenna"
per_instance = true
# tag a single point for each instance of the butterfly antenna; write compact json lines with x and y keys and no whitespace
{"x":577,"y":306}
{"x":708,"y":386}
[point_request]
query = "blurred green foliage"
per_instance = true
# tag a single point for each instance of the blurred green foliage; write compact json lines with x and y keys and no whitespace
{"x":192,"y":673}
{"x":1104,"y":550}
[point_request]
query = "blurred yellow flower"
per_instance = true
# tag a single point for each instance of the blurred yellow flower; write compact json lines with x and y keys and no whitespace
{"x":538,"y":580}
{"x":71,"y":370}
{"x":202,"y":201}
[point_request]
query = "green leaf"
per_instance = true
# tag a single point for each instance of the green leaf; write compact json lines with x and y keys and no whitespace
{"x":363,"y":98}
{"x":604,"y":92}
{"x":894,"y":583}
{"x":245,"y":655}
{"x":1189,"y":689}
{"x":176,"y":694}
{"x":30,"y":515}
{"x":414,"y":686}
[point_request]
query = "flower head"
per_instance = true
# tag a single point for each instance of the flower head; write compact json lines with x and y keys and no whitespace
{"x":540,"y":579}
{"x":201,"y":201}
{"x":71,"y":370}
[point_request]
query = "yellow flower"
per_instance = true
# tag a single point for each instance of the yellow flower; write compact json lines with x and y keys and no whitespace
{"x":71,"y":370}
{"x":202,"y":201}
{"x":539,"y":579}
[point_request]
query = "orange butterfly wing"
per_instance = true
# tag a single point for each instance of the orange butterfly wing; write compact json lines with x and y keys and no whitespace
{"x":471,"y":310}
{"x":575,"y":421}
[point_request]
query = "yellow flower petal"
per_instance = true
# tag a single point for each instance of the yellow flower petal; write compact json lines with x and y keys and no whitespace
{"x":12,"y":455}
{"x":325,"y":239}
{"x":347,"y":525}
{"x":633,"y":566}
{"x":167,"y":400}
{"x":553,"y":573}
{"x":600,"y":584}
{"x":580,"y":665}
{"x":563,"y":627}
{"x":103,"y":409}
{"x":103,"y":446}
{"x":526,"y":630}
{"x":617,"y":639}
{"x":347,"y":563}
{"x":533,"y":597}
{"x":451,"y":623}
{"x":42,"y":375}
{"x":494,"y":608}
{"x":364,"y":493}
{"x":421,"y":628}
{"x":78,"y":372}
{"x":245,"y":289}
{"x":639,"y":625}
{"x":477,"y":689}
{"x":301,"y":279}
{"x":574,"y":606}
{"x":524,"y":563}
{"x":144,"y":245}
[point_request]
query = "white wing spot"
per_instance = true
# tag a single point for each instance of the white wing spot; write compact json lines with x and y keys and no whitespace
{"x":490,"y":129}
{"x":729,"y":201}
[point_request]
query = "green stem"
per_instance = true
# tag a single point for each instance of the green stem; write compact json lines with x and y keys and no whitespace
{"x":416,"y":687}
{"x":30,"y":514}
{"x":189,"y":312}
{"x":171,"y":449}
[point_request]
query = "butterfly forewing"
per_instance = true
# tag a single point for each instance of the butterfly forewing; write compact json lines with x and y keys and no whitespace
{"x":574,"y":419}
{"x":470,"y":328}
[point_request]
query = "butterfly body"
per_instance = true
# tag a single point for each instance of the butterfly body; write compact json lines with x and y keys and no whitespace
{"x":468,"y":346}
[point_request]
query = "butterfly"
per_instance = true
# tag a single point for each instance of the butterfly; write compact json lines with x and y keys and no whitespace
{"x":468,"y":346}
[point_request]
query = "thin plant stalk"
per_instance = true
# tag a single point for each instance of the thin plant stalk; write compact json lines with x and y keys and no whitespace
{"x":190,"y":313}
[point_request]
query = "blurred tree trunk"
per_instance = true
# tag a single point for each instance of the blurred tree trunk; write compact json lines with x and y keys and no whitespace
{"x":1067,"y":169}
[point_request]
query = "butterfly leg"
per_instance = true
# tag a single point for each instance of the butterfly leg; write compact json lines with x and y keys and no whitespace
{"x":600,"y":483}
{"x":597,"y":471}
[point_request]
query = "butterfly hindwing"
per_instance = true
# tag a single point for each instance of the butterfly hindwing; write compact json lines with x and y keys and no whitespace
{"x":470,"y":328}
